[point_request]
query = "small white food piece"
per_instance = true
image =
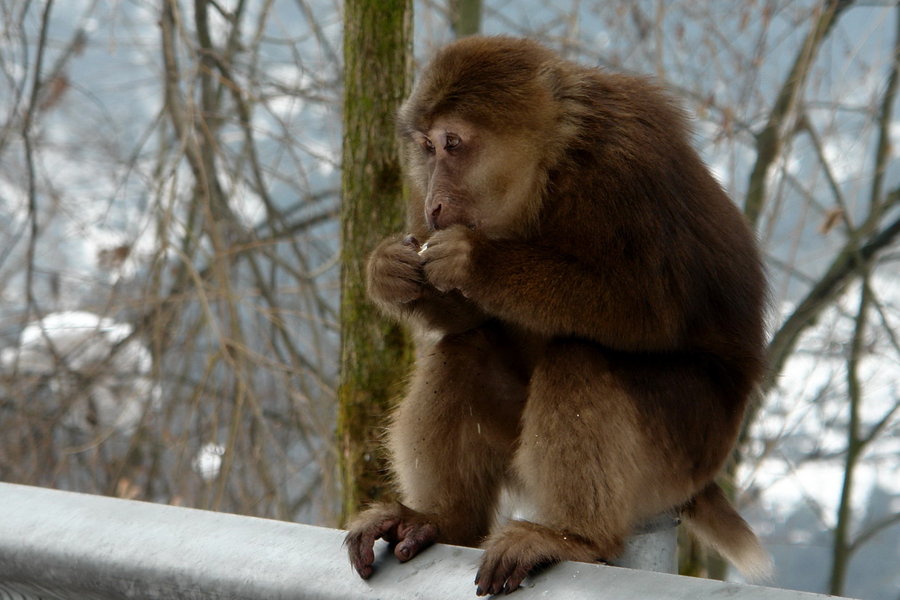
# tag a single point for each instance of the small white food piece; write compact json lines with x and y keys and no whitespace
{"x":423,"y":248}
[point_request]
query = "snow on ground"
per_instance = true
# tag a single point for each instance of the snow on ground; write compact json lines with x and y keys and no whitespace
{"x":92,"y":364}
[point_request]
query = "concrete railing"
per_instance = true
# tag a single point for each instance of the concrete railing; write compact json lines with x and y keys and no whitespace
{"x":62,"y":545}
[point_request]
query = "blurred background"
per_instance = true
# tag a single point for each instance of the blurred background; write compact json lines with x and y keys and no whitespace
{"x":180,"y":345}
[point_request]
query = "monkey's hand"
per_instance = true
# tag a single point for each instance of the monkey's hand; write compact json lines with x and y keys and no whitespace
{"x":408,"y":532}
{"x":394,"y":273}
{"x":448,"y":258}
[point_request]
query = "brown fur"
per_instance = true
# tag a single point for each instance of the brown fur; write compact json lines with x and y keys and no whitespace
{"x":588,"y":313}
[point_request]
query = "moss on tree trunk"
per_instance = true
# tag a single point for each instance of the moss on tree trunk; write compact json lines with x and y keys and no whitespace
{"x":375,"y":353}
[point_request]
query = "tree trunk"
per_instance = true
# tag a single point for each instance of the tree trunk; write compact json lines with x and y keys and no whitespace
{"x":375,"y":353}
{"x":465,"y":17}
{"x":841,"y":546}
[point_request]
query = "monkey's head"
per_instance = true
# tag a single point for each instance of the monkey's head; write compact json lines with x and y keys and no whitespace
{"x":481,"y":129}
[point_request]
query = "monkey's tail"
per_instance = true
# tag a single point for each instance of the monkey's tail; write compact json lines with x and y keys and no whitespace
{"x":712,"y":519}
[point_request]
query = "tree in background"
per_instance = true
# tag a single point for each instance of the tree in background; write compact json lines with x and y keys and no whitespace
{"x":465,"y":17}
{"x":375,"y":352}
{"x":168,"y":309}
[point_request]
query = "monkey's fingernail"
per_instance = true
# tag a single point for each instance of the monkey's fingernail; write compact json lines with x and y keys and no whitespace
{"x":410,"y":240}
{"x":423,"y":248}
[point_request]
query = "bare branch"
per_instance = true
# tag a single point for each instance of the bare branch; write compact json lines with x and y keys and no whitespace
{"x":872,"y":530}
{"x":778,"y":127}
{"x":840,"y":546}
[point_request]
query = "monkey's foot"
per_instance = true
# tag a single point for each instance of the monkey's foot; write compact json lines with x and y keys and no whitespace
{"x":521,"y":547}
{"x":406,"y":530}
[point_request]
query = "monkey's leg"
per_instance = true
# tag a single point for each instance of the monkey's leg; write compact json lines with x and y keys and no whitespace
{"x":451,"y":442}
{"x":582,"y":460}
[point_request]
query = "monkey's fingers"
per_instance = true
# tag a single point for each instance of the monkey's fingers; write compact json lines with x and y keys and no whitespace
{"x":411,"y":241}
{"x":360,"y":544}
{"x":395,"y":274}
{"x":408,"y":262}
{"x":448,"y":258}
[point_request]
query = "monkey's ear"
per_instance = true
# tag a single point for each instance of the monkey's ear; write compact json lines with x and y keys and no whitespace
{"x":566,"y":110}
{"x":551,"y":78}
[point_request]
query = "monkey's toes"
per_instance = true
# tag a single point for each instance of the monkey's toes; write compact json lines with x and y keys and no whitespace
{"x":360,"y":544}
{"x":501,"y":574}
{"x":413,"y":538}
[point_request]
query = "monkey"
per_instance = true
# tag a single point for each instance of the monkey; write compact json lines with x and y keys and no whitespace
{"x":587,"y":306}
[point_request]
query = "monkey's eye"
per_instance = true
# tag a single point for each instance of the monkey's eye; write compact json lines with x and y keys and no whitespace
{"x":452,"y":141}
{"x":428,"y":145}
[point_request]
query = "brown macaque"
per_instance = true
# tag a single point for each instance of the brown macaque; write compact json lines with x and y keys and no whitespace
{"x":588,"y":311}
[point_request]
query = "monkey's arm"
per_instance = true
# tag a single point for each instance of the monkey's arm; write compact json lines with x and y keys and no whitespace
{"x":397,"y":284}
{"x":624,"y":306}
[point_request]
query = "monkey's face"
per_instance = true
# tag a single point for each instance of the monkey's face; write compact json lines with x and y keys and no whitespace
{"x":473,"y":177}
